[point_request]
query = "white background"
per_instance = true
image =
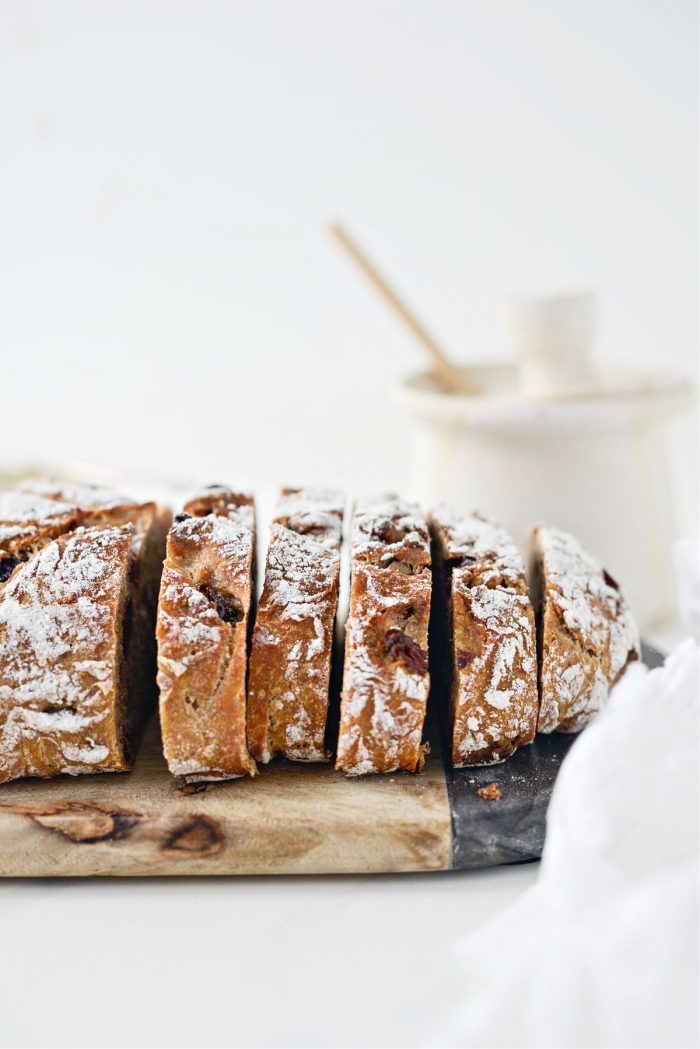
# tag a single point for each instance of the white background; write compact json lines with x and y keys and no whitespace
{"x":171,"y":301}
{"x":171,"y":305}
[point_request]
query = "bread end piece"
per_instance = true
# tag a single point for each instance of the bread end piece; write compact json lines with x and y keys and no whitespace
{"x":587,"y":636}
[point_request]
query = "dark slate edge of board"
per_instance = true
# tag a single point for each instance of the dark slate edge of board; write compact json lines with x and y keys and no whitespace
{"x":512,"y":829}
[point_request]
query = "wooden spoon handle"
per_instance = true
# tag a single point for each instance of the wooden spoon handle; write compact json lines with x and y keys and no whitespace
{"x":452,"y":378}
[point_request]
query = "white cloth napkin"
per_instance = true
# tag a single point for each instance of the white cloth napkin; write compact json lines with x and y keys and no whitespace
{"x":686,"y":560}
{"x":603,"y":949}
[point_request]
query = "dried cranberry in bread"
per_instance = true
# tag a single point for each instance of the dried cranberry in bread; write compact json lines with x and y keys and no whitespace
{"x":290,"y":660}
{"x":204,"y":611}
{"x":586,"y":633}
{"x":79,"y":572}
{"x":485,"y":627}
{"x":385,"y":677}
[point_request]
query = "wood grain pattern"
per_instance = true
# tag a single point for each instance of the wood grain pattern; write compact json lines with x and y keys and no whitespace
{"x":292,"y":819}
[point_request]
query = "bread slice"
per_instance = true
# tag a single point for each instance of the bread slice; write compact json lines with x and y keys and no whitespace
{"x":79,"y":573}
{"x":385,"y":678}
{"x":290,"y":661}
{"x":204,"y":616}
{"x":485,"y":627}
{"x":587,"y":636}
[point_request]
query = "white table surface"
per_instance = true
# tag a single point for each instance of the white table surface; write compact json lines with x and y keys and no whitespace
{"x":327,"y":961}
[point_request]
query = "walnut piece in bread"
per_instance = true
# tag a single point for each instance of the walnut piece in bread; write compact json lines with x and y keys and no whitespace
{"x":204,"y":615}
{"x":290,"y":659}
{"x":385,"y":678}
{"x":79,"y":573}
{"x":485,"y":630}
{"x":587,"y":636}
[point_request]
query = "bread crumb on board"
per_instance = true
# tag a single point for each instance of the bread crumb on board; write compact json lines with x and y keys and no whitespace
{"x":490,"y":792}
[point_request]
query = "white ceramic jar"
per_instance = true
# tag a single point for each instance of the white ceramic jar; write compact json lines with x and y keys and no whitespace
{"x":594,"y":464}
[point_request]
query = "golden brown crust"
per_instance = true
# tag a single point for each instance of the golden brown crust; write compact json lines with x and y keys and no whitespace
{"x":386,"y":678}
{"x":290,"y":661}
{"x":489,"y":627}
{"x":587,"y":634}
{"x":203,"y":620}
{"x":29,"y":521}
{"x":78,"y":570}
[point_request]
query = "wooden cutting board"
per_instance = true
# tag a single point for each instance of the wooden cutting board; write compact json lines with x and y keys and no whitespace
{"x":291,"y":819}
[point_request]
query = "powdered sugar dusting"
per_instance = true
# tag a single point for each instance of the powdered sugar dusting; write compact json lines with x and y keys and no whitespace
{"x":58,"y":648}
{"x":299,"y":572}
{"x":189,"y":630}
{"x":24,"y":514}
{"x":232,"y":532}
{"x":86,"y":754}
{"x":599,"y":628}
{"x":494,"y":645}
{"x":496,"y":692}
{"x":292,"y":640}
{"x":496,"y":557}
{"x":390,"y":528}
{"x":378,"y":726}
{"x":312,"y":511}
{"x":85,"y":496}
{"x":202,"y":627}
{"x":385,"y":679}
{"x":37,"y":511}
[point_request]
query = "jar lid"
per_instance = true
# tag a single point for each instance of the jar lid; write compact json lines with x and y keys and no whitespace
{"x":620,"y":398}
